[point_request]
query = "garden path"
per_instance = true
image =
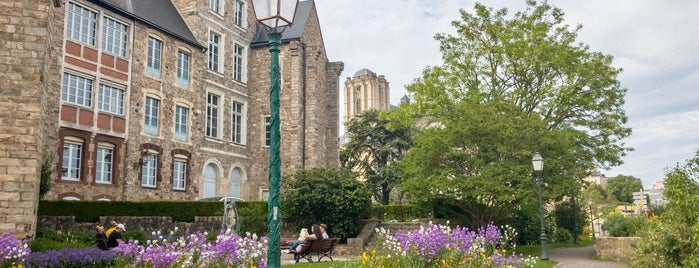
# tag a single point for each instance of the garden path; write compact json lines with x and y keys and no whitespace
{"x":578,"y":257}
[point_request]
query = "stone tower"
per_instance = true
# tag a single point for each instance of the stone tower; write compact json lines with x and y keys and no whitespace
{"x":25,"y":65}
{"x":363,"y":91}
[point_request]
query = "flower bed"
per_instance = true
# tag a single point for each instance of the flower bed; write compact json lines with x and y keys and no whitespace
{"x":441,"y":246}
{"x":189,"y":250}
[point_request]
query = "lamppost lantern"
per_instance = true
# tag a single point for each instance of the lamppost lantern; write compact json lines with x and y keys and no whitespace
{"x":275,"y":15}
{"x":538,"y":164}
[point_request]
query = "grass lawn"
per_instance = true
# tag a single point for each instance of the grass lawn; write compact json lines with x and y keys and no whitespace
{"x":324,"y":264}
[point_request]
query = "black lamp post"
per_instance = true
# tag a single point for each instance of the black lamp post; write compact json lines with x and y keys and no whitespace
{"x":274,"y":15}
{"x":592,"y":219}
{"x":575,"y":222}
{"x":538,"y":163}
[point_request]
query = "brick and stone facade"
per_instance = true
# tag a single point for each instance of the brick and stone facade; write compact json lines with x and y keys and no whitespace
{"x":102,"y":152}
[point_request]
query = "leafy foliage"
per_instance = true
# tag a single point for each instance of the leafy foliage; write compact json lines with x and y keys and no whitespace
{"x":510,"y":86}
{"x":571,"y":217}
{"x":672,"y":239}
{"x":623,"y":226}
{"x":333,"y":197}
{"x":622,"y":187}
{"x":46,"y":178}
{"x":372,"y":149}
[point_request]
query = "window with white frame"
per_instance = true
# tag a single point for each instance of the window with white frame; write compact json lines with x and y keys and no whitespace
{"x":268,"y":132}
{"x":238,"y":60}
{"x":215,"y":6}
{"x":212,"y":110}
{"x":179,"y":174}
{"x":183,"y":59}
{"x":72,"y":159}
{"x":77,"y":90}
{"x":155,"y":52}
{"x":237,"y":123}
{"x":152,"y":115}
{"x":239,"y":18}
{"x":82,"y":24}
{"x":111,"y":99}
{"x":104,"y":164}
{"x":114,"y":37}
{"x":149,"y":170}
{"x":181,"y":122}
{"x":214,"y":51}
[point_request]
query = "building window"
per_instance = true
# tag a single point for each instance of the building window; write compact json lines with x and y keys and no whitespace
{"x":111,"y":100}
{"x":104,"y":161}
{"x":77,"y":90}
{"x":181,"y":119}
{"x":114,"y":37}
{"x":239,"y":13}
{"x":214,"y":46}
{"x":82,"y":24}
{"x":179,"y":174}
{"x":238,"y":63}
{"x":268,"y":132}
{"x":155,"y":51}
{"x":357,"y":101}
{"x":72,"y":160}
{"x":183,"y":68}
{"x":212,"y":109}
{"x":152,"y":115}
{"x":237,"y":123}
{"x":149,"y":169}
{"x":215,"y":6}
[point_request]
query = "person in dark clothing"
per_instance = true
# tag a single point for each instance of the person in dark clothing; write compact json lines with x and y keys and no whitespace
{"x":101,"y":238}
{"x":116,"y":237}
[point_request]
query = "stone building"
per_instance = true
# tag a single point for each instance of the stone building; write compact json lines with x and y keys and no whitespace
{"x":155,"y":100}
{"x":363,"y":91}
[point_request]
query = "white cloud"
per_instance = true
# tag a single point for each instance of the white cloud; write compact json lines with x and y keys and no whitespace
{"x":653,"y":41}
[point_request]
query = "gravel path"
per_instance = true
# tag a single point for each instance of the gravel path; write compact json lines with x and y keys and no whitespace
{"x":579,"y":257}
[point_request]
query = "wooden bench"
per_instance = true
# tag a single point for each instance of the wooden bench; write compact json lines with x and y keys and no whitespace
{"x":322,"y":248}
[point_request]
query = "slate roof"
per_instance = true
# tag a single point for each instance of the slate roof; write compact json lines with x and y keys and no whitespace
{"x":160,"y":14}
{"x":303,"y":11}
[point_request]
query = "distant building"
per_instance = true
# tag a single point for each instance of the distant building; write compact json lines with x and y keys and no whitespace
{"x":597,"y":178}
{"x":659,"y":184}
{"x":365,"y":90}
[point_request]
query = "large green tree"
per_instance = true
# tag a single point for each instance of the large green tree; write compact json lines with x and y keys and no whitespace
{"x":511,"y":85}
{"x":372,"y":149}
{"x":622,"y":187}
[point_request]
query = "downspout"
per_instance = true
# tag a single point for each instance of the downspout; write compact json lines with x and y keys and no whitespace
{"x":303,"y":104}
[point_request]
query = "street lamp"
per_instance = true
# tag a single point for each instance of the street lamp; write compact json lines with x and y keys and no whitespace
{"x":592,"y":219}
{"x":575,"y":222}
{"x":275,"y":15}
{"x":538,"y":163}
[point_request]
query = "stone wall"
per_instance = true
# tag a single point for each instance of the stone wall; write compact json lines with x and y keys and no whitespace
{"x":24,"y":39}
{"x":616,"y":248}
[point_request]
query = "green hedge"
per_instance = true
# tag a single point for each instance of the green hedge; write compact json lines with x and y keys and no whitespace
{"x":90,"y":211}
{"x":253,"y":217}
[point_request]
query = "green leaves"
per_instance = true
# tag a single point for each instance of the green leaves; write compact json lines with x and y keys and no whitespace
{"x":336,"y":198}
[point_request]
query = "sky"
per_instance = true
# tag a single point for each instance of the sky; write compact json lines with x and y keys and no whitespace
{"x":656,"y":42}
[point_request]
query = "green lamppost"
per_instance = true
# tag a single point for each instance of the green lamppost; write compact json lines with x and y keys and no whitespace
{"x":275,"y":15}
{"x":538,"y":163}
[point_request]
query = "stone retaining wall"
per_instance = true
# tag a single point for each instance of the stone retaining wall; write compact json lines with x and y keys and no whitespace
{"x":616,"y":248}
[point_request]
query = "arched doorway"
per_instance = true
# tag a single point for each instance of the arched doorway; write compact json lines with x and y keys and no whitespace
{"x":210,"y":175}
